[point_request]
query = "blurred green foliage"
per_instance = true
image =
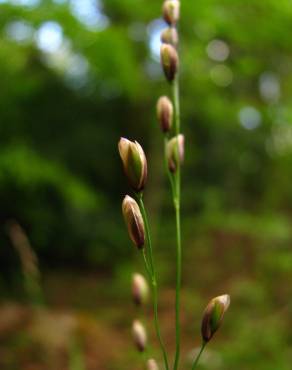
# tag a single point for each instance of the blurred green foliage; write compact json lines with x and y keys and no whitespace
{"x":70,"y":87}
{"x":76,"y":75}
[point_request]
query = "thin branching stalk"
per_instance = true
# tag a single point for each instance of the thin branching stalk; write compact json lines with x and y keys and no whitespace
{"x":170,"y":175}
{"x":147,"y":267}
{"x":176,"y":102}
{"x":153,"y":279}
{"x":135,"y":166}
{"x":176,"y":193}
{"x":199,"y":356}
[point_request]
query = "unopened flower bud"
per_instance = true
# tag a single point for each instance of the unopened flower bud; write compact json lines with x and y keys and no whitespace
{"x":134,"y":221}
{"x":175,"y":152}
{"x":169,"y":61}
{"x":171,"y":10}
{"x":134,"y":163}
{"x":170,"y":36}
{"x":165,"y":113}
{"x":152,"y":365}
{"x":139,"y":335}
{"x":140,"y":289}
{"x":213,"y":316}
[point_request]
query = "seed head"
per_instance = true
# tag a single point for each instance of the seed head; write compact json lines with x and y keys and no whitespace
{"x":139,"y":335}
{"x":213,"y":316}
{"x":152,"y":364}
{"x":165,"y":113}
{"x":134,"y":163}
{"x":169,"y":61}
{"x":134,"y":221}
{"x":171,"y":11}
{"x":140,"y":289}
{"x":175,"y":152}
{"x":170,"y":36}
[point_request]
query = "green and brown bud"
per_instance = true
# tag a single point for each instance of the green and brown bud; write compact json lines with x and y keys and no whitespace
{"x":140,"y":289}
{"x":165,"y":113}
{"x":171,"y":11}
{"x":169,"y":61}
{"x":134,"y":163}
{"x":213,"y":316}
{"x":134,"y":221}
{"x":152,"y":364}
{"x":139,"y":335}
{"x":175,"y":152}
{"x":170,"y":36}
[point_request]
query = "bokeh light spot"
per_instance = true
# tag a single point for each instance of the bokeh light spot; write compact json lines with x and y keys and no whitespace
{"x":249,"y":117}
{"x":89,"y":13}
{"x":218,"y":50}
{"x":19,"y":31}
{"x":49,"y":37}
{"x":269,"y":86}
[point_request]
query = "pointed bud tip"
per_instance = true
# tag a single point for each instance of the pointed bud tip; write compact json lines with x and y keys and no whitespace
{"x":127,"y":198}
{"x":224,"y":300}
{"x":122,"y":143}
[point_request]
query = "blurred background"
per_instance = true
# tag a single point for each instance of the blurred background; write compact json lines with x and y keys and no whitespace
{"x":75,"y":76}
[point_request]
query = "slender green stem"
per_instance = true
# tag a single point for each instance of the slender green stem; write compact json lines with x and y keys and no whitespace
{"x":176,"y":192}
{"x":176,"y":102}
{"x":147,"y":267}
{"x":170,"y":176}
{"x":199,"y":355}
{"x":153,"y":279}
{"x":148,"y":235}
{"x":178,"y":282}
